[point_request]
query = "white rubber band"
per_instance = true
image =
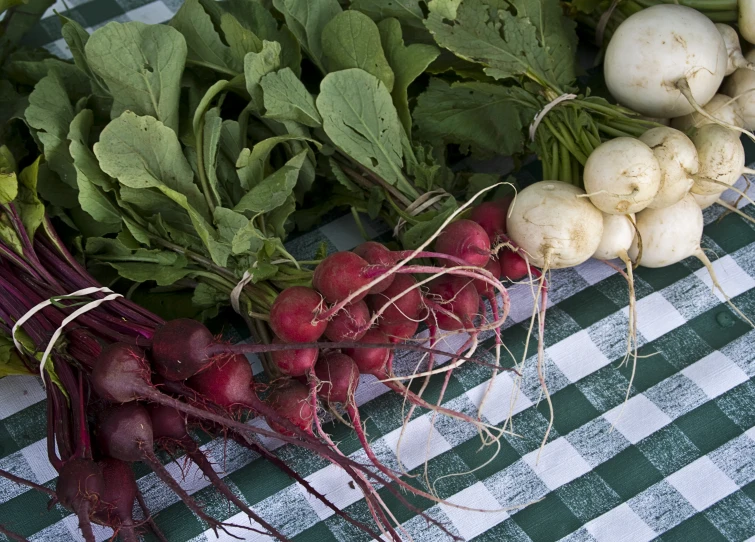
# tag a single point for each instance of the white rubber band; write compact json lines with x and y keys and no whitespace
{"x":236,"y":292}
{"x":68,"y":319}
{"x":544,"y":111}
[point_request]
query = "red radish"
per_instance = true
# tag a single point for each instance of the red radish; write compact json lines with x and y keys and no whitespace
{"x":455,"y":295}
{"x":291,"y":401}
{"x":294,"y":362}
{"x":170,"y":432}
{"x":410,"y":306}
{"x":339,"y":275}
{"x":79,"y":488}
{"x":377,"y":254}
{"x":227,"y":382}
{"x":491,"y":216}
{"x":466,"y":240}
{"x":117,"y":498}
{"x":293,"y":315}
{"x":180,"y":348}
{"x":485,"y":288}
{"x":339,"y":377}
{"x":349,"y":324}
{"x":399,"y":331}
{"x":371,"y":361}
{"x":513,"y":266}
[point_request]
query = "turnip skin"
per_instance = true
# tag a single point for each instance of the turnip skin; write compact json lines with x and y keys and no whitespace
{"x":746,"y":19}
{"x":618,"y":234}
{"x":377,"y":254}
{"x":721,"y":157}
{"x":464,"y":239}
{"x":706,"y":201}
{"x":622,"y":176}
{"x":741,"y":85}
{"x":677,"y":158}
{"x":721,"y":106}
{"x":733,"y":49}
{"x":555,"y":226}
{"x":293,"y":315}
{"x":669,"y":235}
{"x":653,"y":49}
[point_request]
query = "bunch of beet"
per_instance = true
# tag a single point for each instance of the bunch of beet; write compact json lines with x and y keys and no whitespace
{"x":136,"y":383}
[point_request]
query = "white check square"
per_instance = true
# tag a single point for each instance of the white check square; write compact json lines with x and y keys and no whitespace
{"x":470,"y":524}
{"x":620,"y":524}
{"x":656,"y":316}
{"x":577,"y":356}
{"x":637,"y":418}
{"x":557,"y":464}
{"x":715,"y":374}
{"x":702,"y":483}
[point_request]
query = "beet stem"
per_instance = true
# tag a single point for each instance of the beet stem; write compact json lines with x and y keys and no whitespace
{"x":82,"y":512}
{"x":353,"y":413}
{"x":198,"y":456}
{"x":280,"y":464}
{"x":154,"y":463}
{"x":11,"y":535}
{"x":28,"y":483}
{"x":148,"y":517}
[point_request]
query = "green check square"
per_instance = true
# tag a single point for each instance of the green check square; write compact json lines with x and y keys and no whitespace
{"x":734,"y":516}
{"x":652,"y":368}
{"x":572,"y":409}
{"x":681,"y":347}
{"x":474,"y":455}
{"x":628,"y":473}
{"x":27,"y":513}
{"x":259,"y":480}
{"x":7,"y":444}
{"x":739,"y":404}
{"x":27,"y":426}
{"x":616,"y":289}
{"x":669,"y":449}
{"x":707,"y":427}
{"x":588,"y":306}
{"x":321,"y":533}
{"x":695,"y":528}
{"x":179,"y":521}
{"x":531,"y":426}
{"x":719,"y":326}
{"x":662,"y":277}
{"x":605,"y":388}
{"x":448,"y":474}
{"x":547,"y":520}
{"x":100,"y":11}
{"x":588,"y":497}
{"x":730,"y":233}
{"x":558,"y":326}
{"x":506,"y":530}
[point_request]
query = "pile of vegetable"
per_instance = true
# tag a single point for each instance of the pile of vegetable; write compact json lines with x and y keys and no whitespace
{"x":179,"y":158}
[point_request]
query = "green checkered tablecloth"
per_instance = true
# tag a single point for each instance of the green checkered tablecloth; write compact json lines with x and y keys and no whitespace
{"x":678,"y":464}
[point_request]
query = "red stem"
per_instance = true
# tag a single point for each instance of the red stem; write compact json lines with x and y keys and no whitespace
{"x":11,"y":535}
{"x":196,"y":455}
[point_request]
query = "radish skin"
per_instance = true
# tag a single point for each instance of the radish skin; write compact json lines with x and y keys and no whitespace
{"x":721,"y":107}
{"x":554,"y":225}
{"x":622,"y":176}
{"x":677,"y":158}
{"x":656,"y":48}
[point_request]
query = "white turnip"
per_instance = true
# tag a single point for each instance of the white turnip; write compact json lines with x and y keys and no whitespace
{"x":622,"y":176}
{"x":677,"y":158}
{"x":740,"y":85}
{"x":554,"y":225}
{"x":721,"y":107}
{"x":733,"y":49}
{"x":721,"y":157}
{"x":663,"y":56}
